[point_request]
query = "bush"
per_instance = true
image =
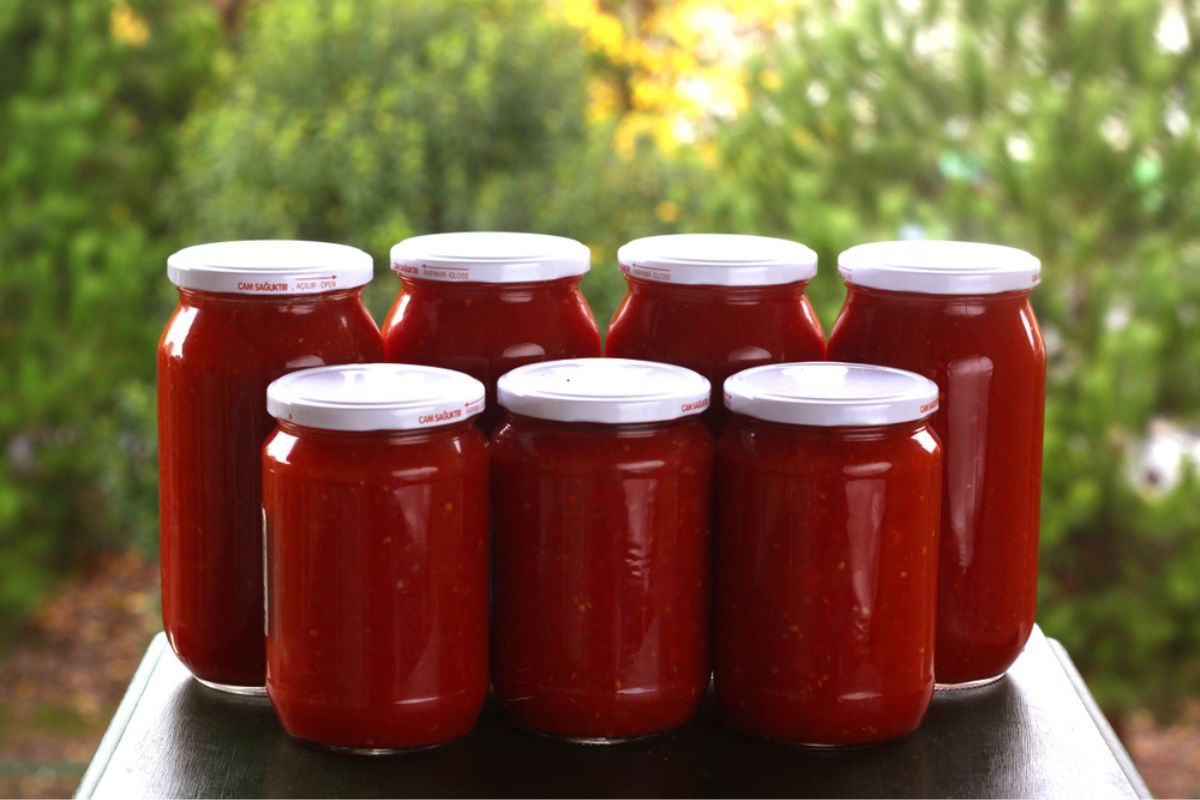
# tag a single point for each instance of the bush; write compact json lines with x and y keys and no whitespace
{"x":359,"y":122}
{"x":369,"y":122}
{"x":1063,"y":128}
{"x":366,"y":122}
{"x":90,"y":95}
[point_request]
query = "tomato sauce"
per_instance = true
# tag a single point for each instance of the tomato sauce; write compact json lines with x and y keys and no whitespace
{"x":602,"y":550}
{"x":221,"y":348}
{"x":716,"y":304}
{"x":826,"y":567}
{"x":960,"y":315}
{"x":377,"y":566}
{"x":485,"y":303}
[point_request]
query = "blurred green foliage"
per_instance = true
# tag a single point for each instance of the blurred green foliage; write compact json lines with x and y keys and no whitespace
{"x":1064,"y":128}
{"x":367,"y":122}
{"x":128,"y":130}
{"x":89,"y":113}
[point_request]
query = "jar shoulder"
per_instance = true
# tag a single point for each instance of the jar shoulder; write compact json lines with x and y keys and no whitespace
{"x":276,"y":334}
{"x":574,"y":450}
{"x":814,"y":451}
{"x":511,"y":299}
{"x":422,"y":457}
{"x":556,"y":321}
{"x":904,"y":333}
{"x":715,"y":328}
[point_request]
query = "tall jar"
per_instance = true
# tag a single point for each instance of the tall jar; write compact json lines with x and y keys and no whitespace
{"x":375,"y":504}
{"x":248,"y":313}
{"x":959,"y":314}
{"x":484,"y":303}
{"x":601,"y":493}
{"x":716,"y":304}
{"x":828,"y":489}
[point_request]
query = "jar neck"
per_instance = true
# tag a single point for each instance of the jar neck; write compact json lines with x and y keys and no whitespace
{"x":201,"y":299}
{"x":607,"y":428}
{"x":871,"y":295}
{"x":474,"y":289}
{"x":711,"y":293}
{"x":374,"y":437}
{"x":852,"y":433}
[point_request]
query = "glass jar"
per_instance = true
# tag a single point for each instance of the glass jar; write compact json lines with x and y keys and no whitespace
{"x":959,"y":313}
{"x":484,"y":303}
{"x":248,"y":312}
{"x":716,"y":304}
{"x":828,"y":482}
{"x":375,"y":506}
{"x":601,"y":491}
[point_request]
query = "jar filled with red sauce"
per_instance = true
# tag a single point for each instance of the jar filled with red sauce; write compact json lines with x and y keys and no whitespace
{"x":484,"y":303}
{"x":828,"y":481}
{"x":601,"y":487}
{"x":959,"y":313}
{"x":716,"y":304}
{"x":375,"y":506}
{"x":248,"y":313}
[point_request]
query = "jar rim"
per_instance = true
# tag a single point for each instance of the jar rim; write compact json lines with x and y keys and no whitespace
{"x":375,"y":397}
{"x":490,"y":257}
{"x":939,"y":267}
{"x":612,"y":391}
{"x":269,"y":267}
{"x":831,"y":394}
{"x":717,"y":259}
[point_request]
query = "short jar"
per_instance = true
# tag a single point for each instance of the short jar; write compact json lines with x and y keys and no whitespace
{"x":375,"y":506}
{"x":487,"y":302}
{"x":828,"y":495}
{"x":248,"y":313}
{"x":601,"y":495}
{"x":716,"y":304}
{"x":959,"y":313}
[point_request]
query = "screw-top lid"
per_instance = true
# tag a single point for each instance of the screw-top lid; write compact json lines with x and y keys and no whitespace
{"x":490,"y":257}
{"x":374,"y":397}
{"x":831,"y":393}
{"x":604,"y":390}
{"x":269,"y":267}
{"x":717,"y":259}
{"x":935,"y":267}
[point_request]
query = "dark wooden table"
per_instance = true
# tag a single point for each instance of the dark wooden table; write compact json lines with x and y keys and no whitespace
{"x":1037,"y":733}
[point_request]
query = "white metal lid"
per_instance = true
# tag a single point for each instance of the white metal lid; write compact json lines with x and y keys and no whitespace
{"x":939,"y":267}
{"x":374,"y":397}
{"x":490,"y":257}
{"x":604,"y":390}
{"x":717,"y":259}
{"x":831,"y":393}
{"x":269,"y":267}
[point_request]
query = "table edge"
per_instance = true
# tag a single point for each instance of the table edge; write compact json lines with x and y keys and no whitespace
{"x":1124,"y":760}
{"x":120,"y":721}
{"x":158,"y":646}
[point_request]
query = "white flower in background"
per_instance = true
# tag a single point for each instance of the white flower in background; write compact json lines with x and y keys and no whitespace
{"x":1019,"y":147}
{"x":1172,"y":33}
{"x":1159,"y":460}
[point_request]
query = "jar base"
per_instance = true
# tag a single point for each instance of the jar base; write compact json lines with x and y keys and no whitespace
{"x":968,"y":685}
{"x":368,"y":751}
{"x":825,"y":747}
{"x":829,"y":748}
{"x":591,"y":740}
{"x":229,"y":688}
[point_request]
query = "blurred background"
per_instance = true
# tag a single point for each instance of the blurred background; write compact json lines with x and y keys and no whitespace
{"x":131,"y":129}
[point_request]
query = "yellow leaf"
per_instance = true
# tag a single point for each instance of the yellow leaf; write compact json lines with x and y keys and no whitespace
{"x":667,"y":211}
{"x":126,"y":26}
